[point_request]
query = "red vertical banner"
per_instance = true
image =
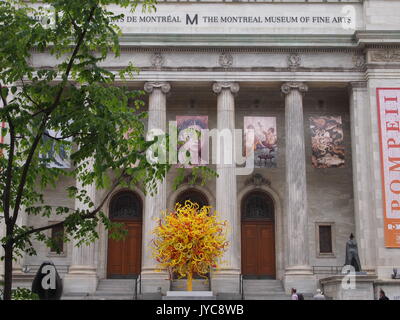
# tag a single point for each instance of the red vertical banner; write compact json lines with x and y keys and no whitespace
{"x":388,"y":100}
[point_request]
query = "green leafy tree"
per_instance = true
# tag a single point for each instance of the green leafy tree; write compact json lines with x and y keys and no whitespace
{"x":97,"y":122}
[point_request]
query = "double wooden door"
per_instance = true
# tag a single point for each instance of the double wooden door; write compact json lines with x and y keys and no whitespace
{"x":258,"y":249}
{"x":124,"y":256}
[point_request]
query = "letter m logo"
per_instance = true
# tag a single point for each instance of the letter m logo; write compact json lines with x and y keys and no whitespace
{"x":194,"y":20}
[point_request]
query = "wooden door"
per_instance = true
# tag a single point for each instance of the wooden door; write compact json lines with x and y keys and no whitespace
{"x":258,"y":249}
{"x":124,"y":256}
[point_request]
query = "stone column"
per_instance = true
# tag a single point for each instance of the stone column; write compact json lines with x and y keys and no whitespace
{"x":298,"y":273}
{"x":18,"y":263}
{"x":82,"y":273}
{"x":152,"y":279}
{"x":227,"y":277}
{"x":361,"y":137}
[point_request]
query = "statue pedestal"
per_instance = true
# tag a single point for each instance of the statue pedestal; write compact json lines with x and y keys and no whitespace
{"x":347,"y":287}
{"x":189,"y":295}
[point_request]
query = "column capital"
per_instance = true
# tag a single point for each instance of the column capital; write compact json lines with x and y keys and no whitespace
{"x":358,"y":85}
{"x":289,"y":86}
{"x":232,"y":86}
{"x":151,"y":85}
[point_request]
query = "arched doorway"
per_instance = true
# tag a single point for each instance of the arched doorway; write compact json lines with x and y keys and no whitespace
{"x":258,"y":235}
{"x":124,"y":256}
{"x":193,"y":195}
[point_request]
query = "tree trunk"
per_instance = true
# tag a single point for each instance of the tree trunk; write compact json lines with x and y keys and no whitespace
{"x":189,"y":286}
{"x":8,"y":261}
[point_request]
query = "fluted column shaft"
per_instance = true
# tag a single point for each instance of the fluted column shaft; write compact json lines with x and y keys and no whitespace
{"x":83,"y":258}
{"x":296,"y":188}
{"x":226,"y":181}
{"x":154,"y":205}
{"x":361,"y":137}
{"x":18,"y":263}
{"x":82,"y":274}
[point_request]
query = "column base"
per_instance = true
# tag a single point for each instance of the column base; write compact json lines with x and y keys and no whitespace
{"x":80,"y":279}
{"x":225,"y":281}
{"x":301,"y":278}
{"x":153,"y":282}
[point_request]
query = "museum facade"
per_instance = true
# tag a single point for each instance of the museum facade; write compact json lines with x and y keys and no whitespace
{"x":319,"y":84}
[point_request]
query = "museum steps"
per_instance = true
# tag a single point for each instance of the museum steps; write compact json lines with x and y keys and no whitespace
{"x":115,"y":289}
{"x":262,"y":289}
{"x":108,"y":289}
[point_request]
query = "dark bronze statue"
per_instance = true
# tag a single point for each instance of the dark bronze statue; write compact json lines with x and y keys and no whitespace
{"x":352,"y":254}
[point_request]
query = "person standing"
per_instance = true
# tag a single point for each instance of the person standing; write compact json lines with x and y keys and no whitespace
{"x":319,"y":295}
{"x":382,"y":295}
{"x":294,"y":294}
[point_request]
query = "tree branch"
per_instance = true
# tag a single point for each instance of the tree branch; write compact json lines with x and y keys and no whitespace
{"x":76,"y":28}
{"x":28,"y":96}
{"x":59,"y":138}
{"x":9,"y":170}
{"x":47,"y":114}
{"x":84,"y":217}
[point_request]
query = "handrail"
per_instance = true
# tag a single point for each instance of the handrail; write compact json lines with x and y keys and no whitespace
{"x":138,"y":280}
{"x":241,"y":286}
{"x":209,"y":280}
{"x":327,"y":269}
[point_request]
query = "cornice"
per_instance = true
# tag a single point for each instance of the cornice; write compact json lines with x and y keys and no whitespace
{"x":239,"y":50}
{"x":377,"y":37}
{"x":239,"y":40}
{"x":264,"y":1}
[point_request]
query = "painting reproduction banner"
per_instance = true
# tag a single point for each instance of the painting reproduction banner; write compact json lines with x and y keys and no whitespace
{"x":192,"y":144}
{"x":58,"y":155}
{"x":388,"y":101}
{"x":265,"y":141}
{"x":327,"y":142}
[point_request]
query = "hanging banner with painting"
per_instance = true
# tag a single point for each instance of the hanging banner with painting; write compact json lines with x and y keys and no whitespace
{"x":389,"y":129}
{"x":264,"y":143}
{"x":192,"y":141}
{"x":58,"y":153}
{"x":327,"y":142}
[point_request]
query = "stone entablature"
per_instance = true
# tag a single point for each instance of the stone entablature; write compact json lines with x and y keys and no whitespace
{"x":269,"y":1}
{"x":230,"y":59}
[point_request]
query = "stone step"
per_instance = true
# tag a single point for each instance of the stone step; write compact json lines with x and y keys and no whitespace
{"x":263,"y":282}
{"x":258,"y":288}
{"x":122,"y":293}
{"x":117,"y":282}
{"x":116,"y":289}
{"x":266,"y":297}
{"x":74,"y":296}
{"x":113,"y":296}
{"x":99,"y":297}
{"x":263,"y":287}
{"x":116,"y":285}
